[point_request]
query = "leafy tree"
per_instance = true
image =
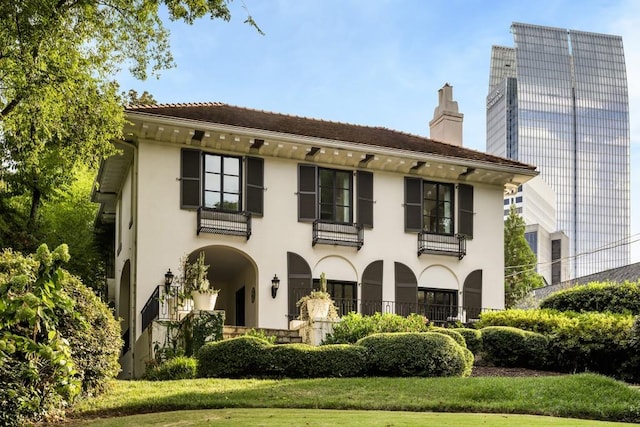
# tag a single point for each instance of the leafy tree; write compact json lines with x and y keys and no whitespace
{"x":519,"y":261}
{"x":132,"y":97}
{"x":58,"y":107}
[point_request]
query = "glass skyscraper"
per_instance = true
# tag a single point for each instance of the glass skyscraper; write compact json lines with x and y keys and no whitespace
{"x":559,"y":100}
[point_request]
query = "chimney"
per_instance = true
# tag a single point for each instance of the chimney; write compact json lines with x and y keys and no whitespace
{"x":446,"y":125}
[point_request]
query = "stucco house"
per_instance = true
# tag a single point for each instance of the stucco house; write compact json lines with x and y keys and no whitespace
{"x":397,"y":222}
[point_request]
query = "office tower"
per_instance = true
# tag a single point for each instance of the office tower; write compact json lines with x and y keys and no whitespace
{"x":558,"y":100}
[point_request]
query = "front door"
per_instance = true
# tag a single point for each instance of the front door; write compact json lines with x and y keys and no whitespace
{"x":240,"y":307}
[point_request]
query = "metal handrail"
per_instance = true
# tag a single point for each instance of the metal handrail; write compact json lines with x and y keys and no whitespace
{"x":337,"y":233}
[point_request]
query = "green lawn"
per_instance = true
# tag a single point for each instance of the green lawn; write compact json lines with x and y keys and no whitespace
{"x":586,"y":396}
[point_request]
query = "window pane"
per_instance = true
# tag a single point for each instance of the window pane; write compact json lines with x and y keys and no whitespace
{"x":231,"y":166}
{"x":231,"y":184}
{"x":231,"y":202}
{"x":212,"y":182}
{"x":211,"y":199}
{"x":212,"y":163}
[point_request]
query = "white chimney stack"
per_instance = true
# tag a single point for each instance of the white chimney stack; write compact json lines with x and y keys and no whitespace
{"x":446,"y":125}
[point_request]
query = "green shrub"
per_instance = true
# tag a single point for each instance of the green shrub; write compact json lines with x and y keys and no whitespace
{"x":423,"y":354}
{"x":95,"y":341}
{"x":305,"y":361}
{"x":513,"y":347}
{"x":472,"y":337}
{"x":178,"y":368}
{"x":457,"y":336}
{"x":543,"y":321}
{"x":355,"y":326}
{"x":37,"y":373}
{"x":259,"y":333}
{"x":603,"y":297}
{"x":234,"y":358}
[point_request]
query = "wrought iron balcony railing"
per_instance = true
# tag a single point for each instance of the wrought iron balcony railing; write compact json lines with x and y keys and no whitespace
{"x":217,"y":221}
{"x":341,"y":234}
{"x":442,"y":244}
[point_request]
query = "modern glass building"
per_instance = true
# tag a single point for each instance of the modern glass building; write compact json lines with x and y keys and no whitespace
{"x":559,"y":100}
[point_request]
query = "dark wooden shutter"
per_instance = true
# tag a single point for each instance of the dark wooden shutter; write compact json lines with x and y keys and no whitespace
{"x":372,"y":289}
{"x":406,"y":290}
{"x":254,"y":189}
{"x":307,"y":188}
{"x":190,"y":171}
{"x":472,"y":294}
{"x":465,"y":210}
{"x":364,"y":181}
{"x":412,"y":204}
{"x":299,"y":281}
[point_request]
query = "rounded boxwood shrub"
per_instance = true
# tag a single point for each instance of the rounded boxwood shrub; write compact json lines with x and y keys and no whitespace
{"x":544,"y":321}
{"x":602,"y":297}
{"x":178,"y":368}
{"x":305,"y":361}
{"x":472,"y":337}
{"x":422,"y":354}
{"x":457,"y":336}
{"x":239,"y":357}
{"x":94,"y":337}
{"x":512,"y":347}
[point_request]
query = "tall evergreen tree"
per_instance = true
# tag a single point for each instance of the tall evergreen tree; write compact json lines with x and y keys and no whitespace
{"x":520,"y":275}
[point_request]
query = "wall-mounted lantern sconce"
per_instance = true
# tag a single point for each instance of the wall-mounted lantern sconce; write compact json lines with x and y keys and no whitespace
{"x":275,"y":284}
{"x":168,"y":281}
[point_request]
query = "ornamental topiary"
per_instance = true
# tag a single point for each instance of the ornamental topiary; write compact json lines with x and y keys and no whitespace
{"x":457,"y":336}
{"x":355,"y":326}
{"x":472,"y":337}
{"x":512,"y":347}
{"x":239,"y":357}
{"x":422,"y":354}
{"x":305,"y":361}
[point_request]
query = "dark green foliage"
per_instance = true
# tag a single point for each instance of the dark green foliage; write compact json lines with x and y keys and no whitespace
{"x":234,"y":358}
{"x":305,"y":361}
{"x":355,"y":326}
{"x":423,"y":354}
{"x":472,"y":337}
{"x":603,"y":297}
{"x":457,"y":336}
{"x":178,"y":368}
{"x":513,"y":347}
{"x":37,"y":373}
{"x":201,"y":328}
{"x":94,"y":337}
{"x":591,"y":341}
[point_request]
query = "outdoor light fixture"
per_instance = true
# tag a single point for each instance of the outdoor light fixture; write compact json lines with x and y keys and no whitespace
{"x":168,"y":280}
{"x":275,"y":284}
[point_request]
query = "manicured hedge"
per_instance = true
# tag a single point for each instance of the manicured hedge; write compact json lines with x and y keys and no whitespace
{"x":472,"y":337}
{"x":305,"y":361}
{"x":178,"y":368}
{"x":577,"y":342}
{"x":513,"y":347}
{"x":422,"y":354}
{"x":603,"y":297}
{"x":355,"y":326}
{"x":457,"y":336}
{"x":234,"y":358}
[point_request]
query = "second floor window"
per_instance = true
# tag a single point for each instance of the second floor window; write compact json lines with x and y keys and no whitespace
{"x":438,"y":207}
{"x":222,"y":186}
{"x":335,"y":188}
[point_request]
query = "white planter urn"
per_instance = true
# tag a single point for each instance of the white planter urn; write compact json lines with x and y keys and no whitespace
{"x":204,"y":300}
{"x":318,"y":308}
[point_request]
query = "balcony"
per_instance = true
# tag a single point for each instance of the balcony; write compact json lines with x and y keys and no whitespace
{"x":217,"y":221}
{"x":341,"y":234}
{"x":442,"y":244}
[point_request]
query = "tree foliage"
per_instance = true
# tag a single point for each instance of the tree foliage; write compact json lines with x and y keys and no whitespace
{"x":519,"y":261}
{"x":58,"y":107}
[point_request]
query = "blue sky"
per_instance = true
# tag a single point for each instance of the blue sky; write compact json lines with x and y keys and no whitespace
{"x":377,"y":62}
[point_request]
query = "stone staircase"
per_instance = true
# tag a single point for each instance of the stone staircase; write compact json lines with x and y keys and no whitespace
{"x":283,"y":336}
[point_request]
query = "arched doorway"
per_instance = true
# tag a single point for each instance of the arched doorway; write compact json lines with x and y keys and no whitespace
{"x":235,"y":274}
{"x":472,"y":295}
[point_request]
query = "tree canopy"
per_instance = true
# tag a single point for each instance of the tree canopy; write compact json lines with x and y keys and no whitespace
{"x":520,"y":275}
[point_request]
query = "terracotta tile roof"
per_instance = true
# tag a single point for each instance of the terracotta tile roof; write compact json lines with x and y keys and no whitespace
{"x":296,"y":125}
